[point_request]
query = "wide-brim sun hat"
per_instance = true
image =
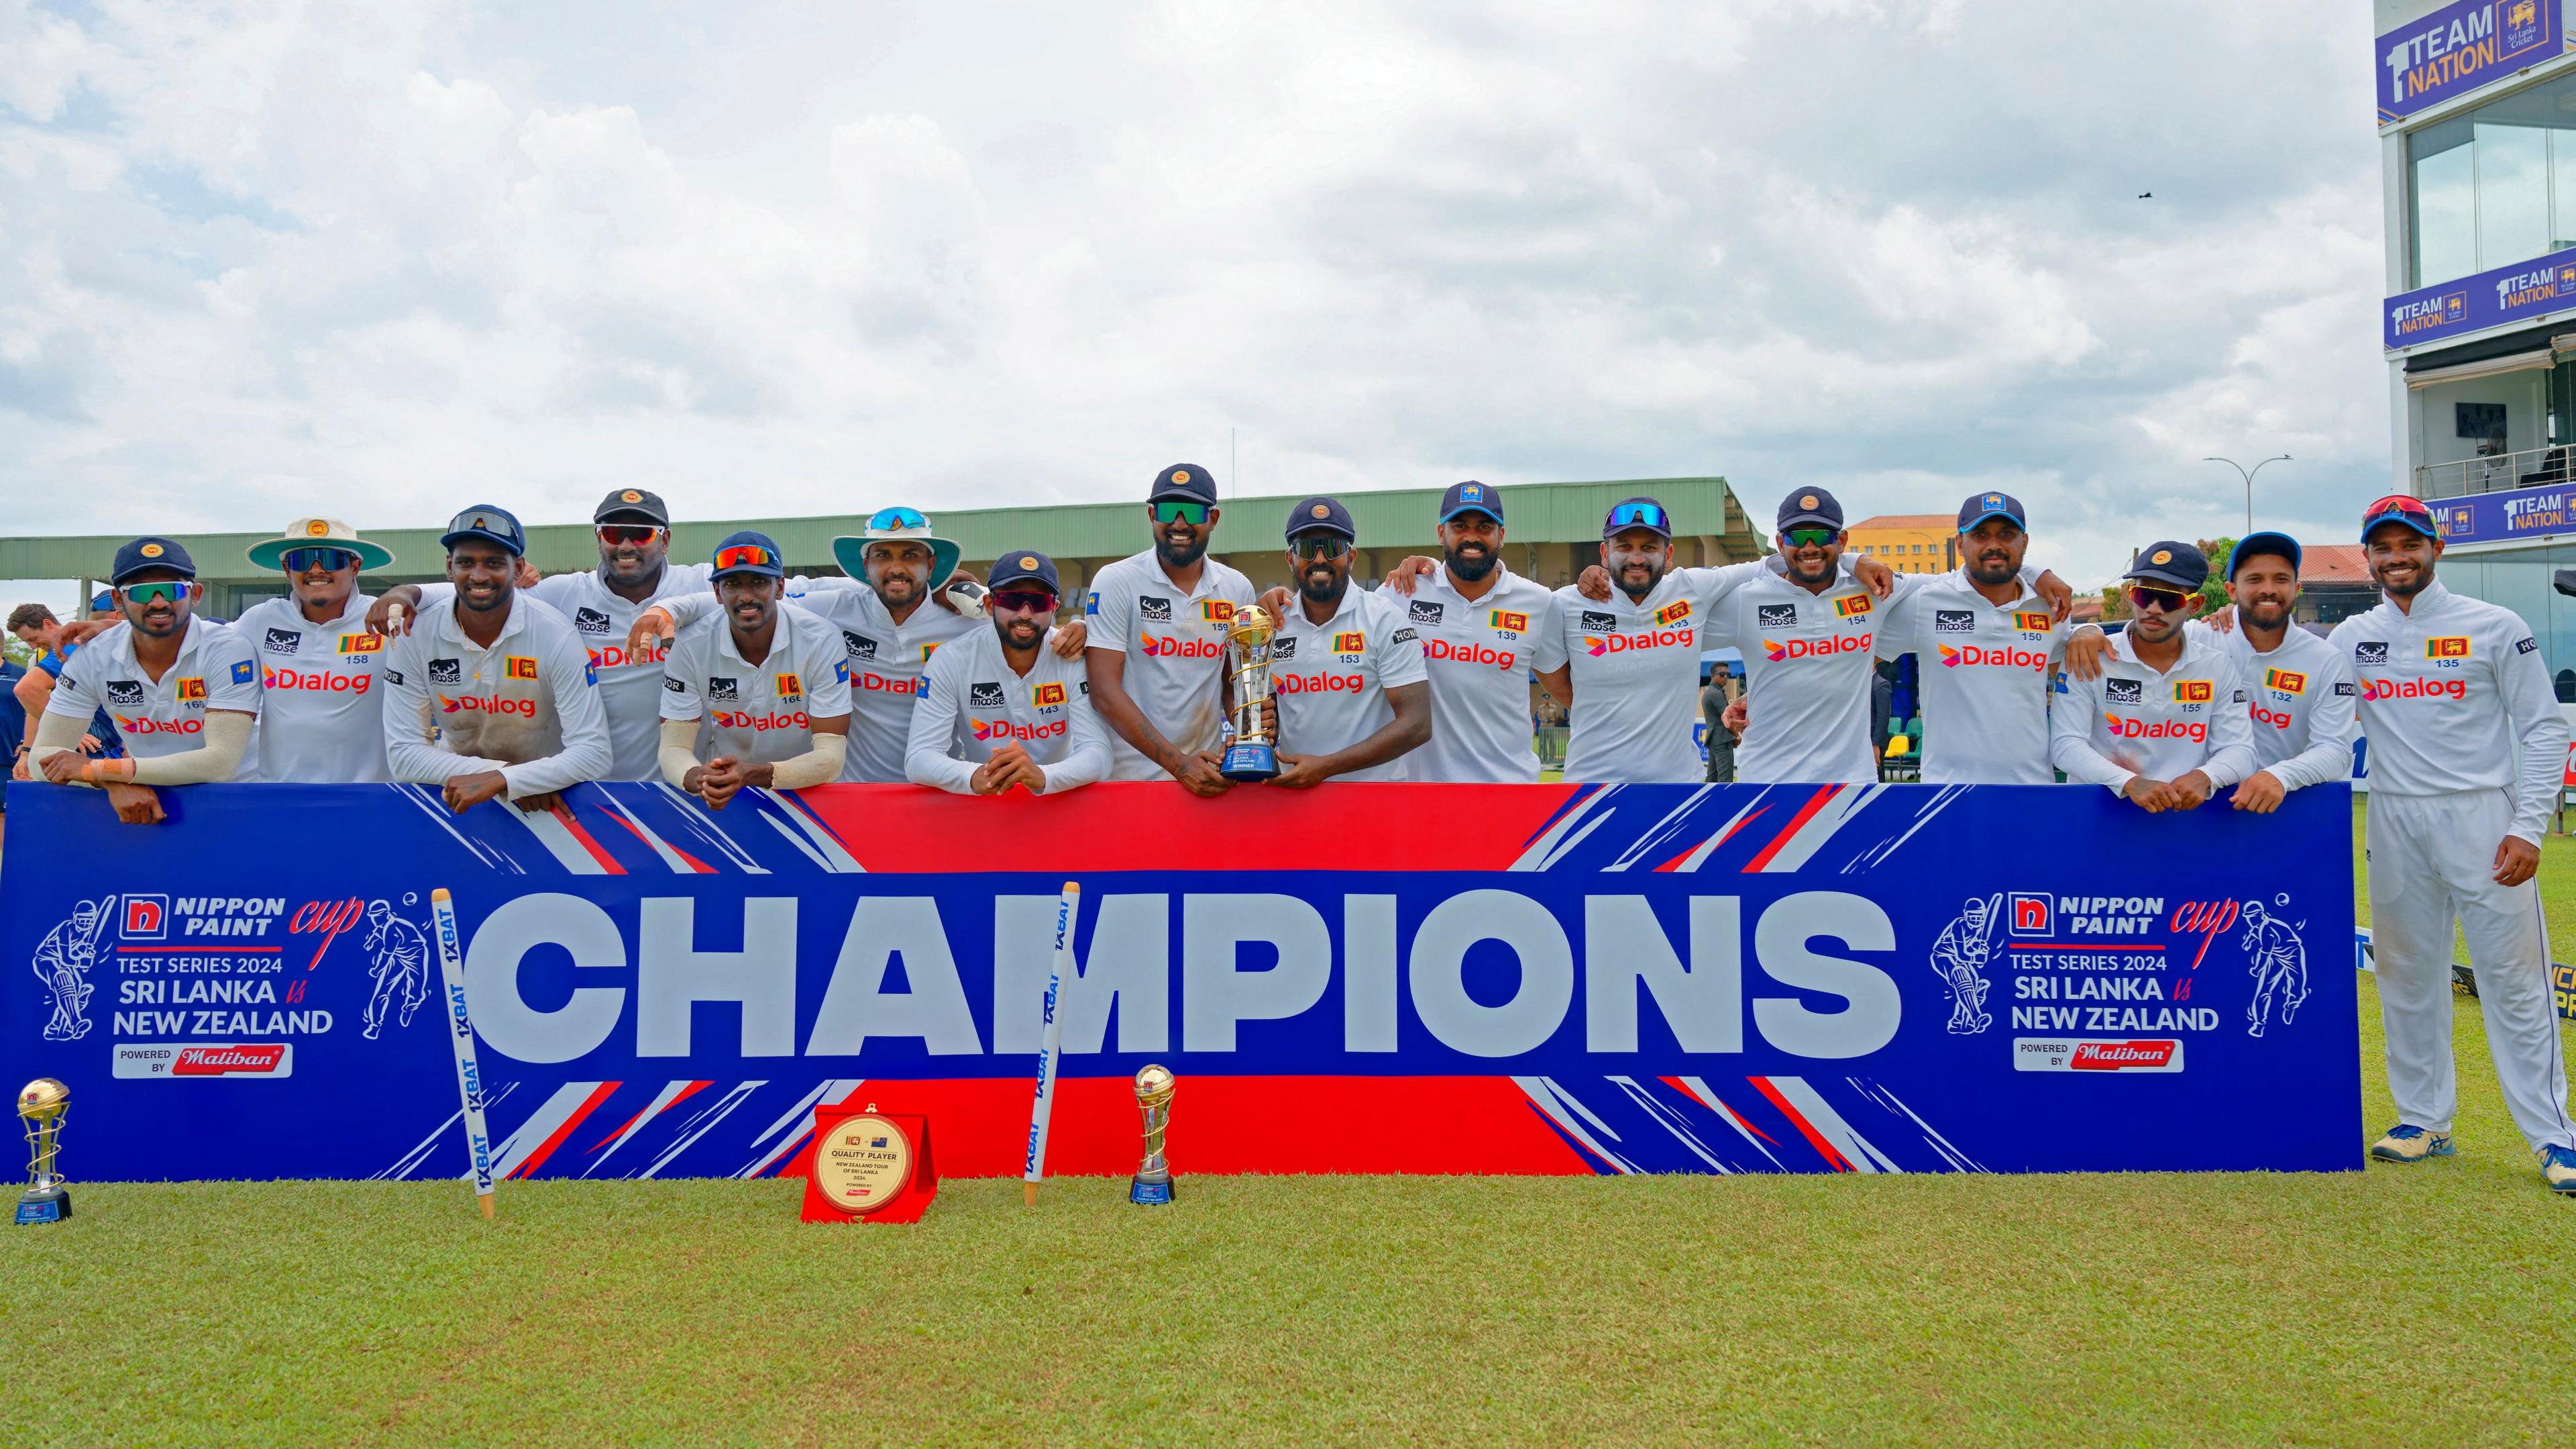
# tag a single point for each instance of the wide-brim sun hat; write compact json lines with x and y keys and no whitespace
{"x":896,"y":525}
{"x":271,"y":553}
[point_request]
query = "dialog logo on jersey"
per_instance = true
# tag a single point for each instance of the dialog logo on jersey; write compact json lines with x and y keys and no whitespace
{"x":1599,"y":645}
{"x":2447,"y":646}
{"x":486,"y":704}
{"x":868,"y":681}
{"x":2285,"y":681}
{"x":146,"y":725}
{"x":1047,"y":694}
{"x":1443,"y":650}
{"x":2197,"y":731}
{"x":1779,"y":652}
{"x":289,"y":677}
{"x":1977,"y":656}
{"x":2446,"y":688}
{"x":1164,"y":646}
{"x":1002,"y":729}
{"x":756,"y":722}
{"x":1316,"y":683}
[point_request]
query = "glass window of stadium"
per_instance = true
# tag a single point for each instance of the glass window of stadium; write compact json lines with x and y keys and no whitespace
{"x":2494,"y":186}
{"x":2518,"y":579}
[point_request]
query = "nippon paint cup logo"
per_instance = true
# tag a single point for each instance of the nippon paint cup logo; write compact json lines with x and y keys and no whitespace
{"x":1002,"y":729}
{"x":2197,"y":731}
{"x":753,"y":720}
{"x":1442,"y":649}
{"x":1316,"y":684}
{"x":1980,"y":656}
{"x":2376,"y":689}
{"x":1599,"y":645}
{"x":1777,"y":652}
{"x":318,"y":680}
{"x":1166,"y":647}
{"x":487,"y":704}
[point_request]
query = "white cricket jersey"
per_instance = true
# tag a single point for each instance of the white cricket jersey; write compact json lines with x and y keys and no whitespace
{"x":2304,"y":703}
{"x":1331,"y":678}
{"x":1807,"y":669}
{"x":322,"y":707}
{"x":757,"y":713}
{"x":1635,"y":670}
{"x":165,"y":716}
{"x":2133,"y":721}
{"x":527,"y":706}
{"x":2455,"y":697}
{"x":630,"y":687}
{"x":973,"y":703}
{"x":886,"y":663}
{"x":1478,"y":655}
{"x":1983,"y":673}
{"x":1174,"y":641}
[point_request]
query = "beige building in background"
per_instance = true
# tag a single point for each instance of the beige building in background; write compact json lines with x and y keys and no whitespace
{"x":1910,"y":543}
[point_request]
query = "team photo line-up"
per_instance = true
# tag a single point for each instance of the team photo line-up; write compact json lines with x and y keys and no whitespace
{"x":727,"y":674}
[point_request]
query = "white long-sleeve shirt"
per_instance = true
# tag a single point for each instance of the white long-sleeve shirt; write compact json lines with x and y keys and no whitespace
{"x":2304,"y":699}
{"x":2134,"y":721}
{"x":973,"y":703}
{"x":527,"y":707}
{"x":2455,"y":697}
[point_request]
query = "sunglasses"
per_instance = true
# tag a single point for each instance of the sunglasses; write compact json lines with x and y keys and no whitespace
{"x":478,"y":521}
{"x":1311,"y":546}
{"x":635,"y":533}
{"x":1639,"y":515}
{"x":166,"y":590}
{"x":329,"y":560}
{"x":1810,"y":537}
{"x":1023,"y":601}
{"x":745,"y":555}
{"x":1178,"y":510}
{"x":2159,"y":601}
{"x":898,"y":518}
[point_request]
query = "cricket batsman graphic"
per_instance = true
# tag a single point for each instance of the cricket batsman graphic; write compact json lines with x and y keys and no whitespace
{"x":62,"y":962}
{"x":2277,"y":960}
{"x":401,"y":966}
{"x":1960,"y":958}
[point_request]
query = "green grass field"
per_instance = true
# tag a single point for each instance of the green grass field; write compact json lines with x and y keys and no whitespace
{"x":2391,"y":1306}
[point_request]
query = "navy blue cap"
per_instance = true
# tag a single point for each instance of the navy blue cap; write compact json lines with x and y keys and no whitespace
{"x":1811,"y":505}
{"x":146,"y":554}
{"x":1992,"y":505}
{"x":1322,"y":515}
{"x":1019,"y":565}
{"x":2172,"y":563}
{"x":1183,"y":480}
{"x":1638,"y":512}
{"x":2254,"y":545}
{"x":102,"y":601}
{"x":1471,"y":497}
{"x":767,"y":561}
{"x":640,"y":502}
{"x":496,"y":525}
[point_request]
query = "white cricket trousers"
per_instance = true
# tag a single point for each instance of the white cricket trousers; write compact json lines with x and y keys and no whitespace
{"x":2432,"y":861}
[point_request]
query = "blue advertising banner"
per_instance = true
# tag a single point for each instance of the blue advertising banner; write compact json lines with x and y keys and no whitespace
{"x":1417,"y":978}
{"x":2461,"y":47}
{"x":2517,"y":293}
{"x":2494,"y":517}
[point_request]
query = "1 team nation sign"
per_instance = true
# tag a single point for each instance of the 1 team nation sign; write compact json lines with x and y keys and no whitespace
{"x":1525,"y":979}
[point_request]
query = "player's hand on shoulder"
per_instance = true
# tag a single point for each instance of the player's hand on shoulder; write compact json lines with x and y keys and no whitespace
{"x":2084,"y":651}
{"x":1070,"y":639}
{"x":1403,"y":576}
{"x":1593,"y":583}
{"x":1874,"y":575}
{"x":1276,"y":601}
{"x":2222,"y":619}
{"x":651,"y":632}
{"x":2061,"y":599}
{"x":393,"y":610}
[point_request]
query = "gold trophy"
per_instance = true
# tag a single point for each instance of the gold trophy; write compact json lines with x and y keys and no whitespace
{"x":1153,"y":1184}
{"x":42,"y":1105}
{"x":1252,"y":756}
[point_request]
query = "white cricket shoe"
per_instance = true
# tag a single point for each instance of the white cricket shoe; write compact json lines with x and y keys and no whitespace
{"x":2414,"y":1144}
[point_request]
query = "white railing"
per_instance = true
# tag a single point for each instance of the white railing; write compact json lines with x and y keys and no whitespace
{"x":2495,"y":473}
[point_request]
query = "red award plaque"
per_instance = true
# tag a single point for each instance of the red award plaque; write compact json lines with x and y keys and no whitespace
{"x":869,"y":1167}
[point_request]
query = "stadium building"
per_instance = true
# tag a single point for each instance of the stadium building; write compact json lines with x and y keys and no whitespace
{"x":2477,"y":118}
{"x":1910,"y":543}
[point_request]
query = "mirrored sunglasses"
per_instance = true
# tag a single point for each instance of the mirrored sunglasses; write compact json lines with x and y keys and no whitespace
{"x":329,"y":560}
{"x":1023,"y":601}
{"x":1640,"y":515}
{"x":1181,"y":510}
{"x":2154,"y":600}
{"x":161,"y":589}
{"x":1311,"y":546}
{"x":745,"y":555}
{"x":623,"y":533}
{"x":1808,"y":537}
{"x":898,"y":518}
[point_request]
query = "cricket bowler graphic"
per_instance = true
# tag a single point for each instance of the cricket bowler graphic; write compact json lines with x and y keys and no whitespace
{"x":2277,"y":960}
{"x":1959,"y":956}
{"x":62,"y":962}
{"x":401,"y":966}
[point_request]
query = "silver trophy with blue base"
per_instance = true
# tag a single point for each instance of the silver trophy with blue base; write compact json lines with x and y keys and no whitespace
{"x":1252,"y":756}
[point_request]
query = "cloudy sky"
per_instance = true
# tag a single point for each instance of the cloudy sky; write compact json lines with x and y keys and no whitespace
{"x":385,"y":259}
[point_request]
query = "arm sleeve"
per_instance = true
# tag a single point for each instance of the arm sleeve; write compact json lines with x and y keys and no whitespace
{"x":227,"y":732}
{"x":2331,"y":722}
{"x":679,"y":751}
{"x":2070,"y":739}
{"x":409,"y":756}
{"x":2231,"y":731}
{"x":820,"y":765}
{"x":926,"y":760}
{"x":55,"y":733}
{"x":586,"y":753}
{"x":2539,"y":732}
{"x":1086,"y":746}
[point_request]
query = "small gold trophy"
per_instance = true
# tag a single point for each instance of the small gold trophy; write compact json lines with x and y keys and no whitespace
{"x":1252,"y":756}
{"x":1153,"y":1184}
{"x":42,"y":1105}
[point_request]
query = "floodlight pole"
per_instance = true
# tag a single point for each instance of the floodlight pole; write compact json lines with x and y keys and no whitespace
{"x":2249,"y":481}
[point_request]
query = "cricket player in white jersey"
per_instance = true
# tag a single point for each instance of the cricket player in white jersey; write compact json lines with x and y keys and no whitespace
{"x":1159,"y":622}
{"x":1485,"y":631}
{"x":633,"y":527}
{"x":1984,"y":637}
{"x":1000,"y":707}
{"x":492,"y":692}
{"x":2166,"y":724}
{"x":1348,"y":673}
{"x":2305,"y":699}
{"x":322,"y":704}
{"x":902,"y":598}
{"x":757,"y":697}
{"x":2466,"y":749}
{"x":183,"y":692}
